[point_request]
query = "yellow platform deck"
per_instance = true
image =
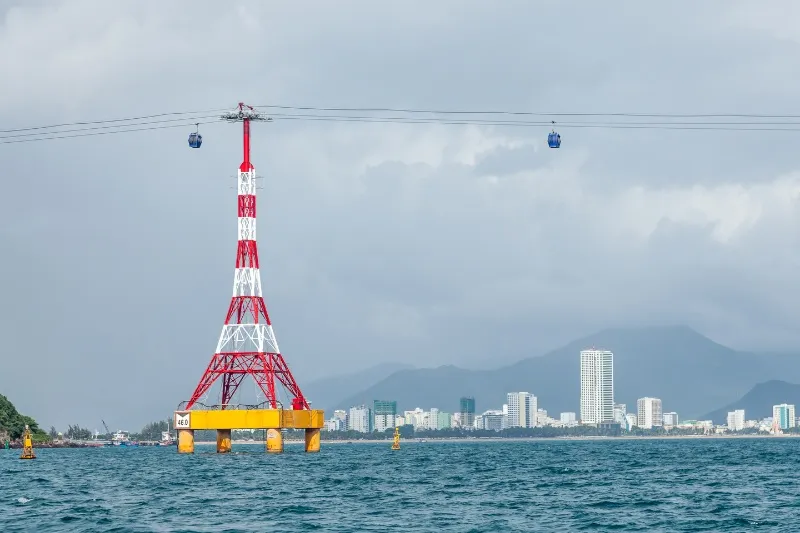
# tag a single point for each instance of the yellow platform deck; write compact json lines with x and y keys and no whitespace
{"x":250,"y":419}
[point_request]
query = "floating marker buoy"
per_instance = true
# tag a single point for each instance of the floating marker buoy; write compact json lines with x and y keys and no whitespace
{"x":27,"y":445}
{"x":396,"y":443}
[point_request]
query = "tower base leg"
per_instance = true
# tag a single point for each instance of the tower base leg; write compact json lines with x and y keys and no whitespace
{"x":312,"y":440}
{"x":223,"y":440}
{"x":185,"y":441}
{"x":274,"y":441}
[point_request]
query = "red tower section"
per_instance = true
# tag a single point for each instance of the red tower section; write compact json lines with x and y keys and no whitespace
{"x":247,"y":344}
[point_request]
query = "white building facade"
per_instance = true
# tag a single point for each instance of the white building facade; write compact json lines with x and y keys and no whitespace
{"x":568,"y":418}
{"x":736,"y":420}
{"x":670,"y":419}
{"x":522,"y":409}
{"x":360,"y":419}
{"x":597,"y":386}
{"x":648,"y":413}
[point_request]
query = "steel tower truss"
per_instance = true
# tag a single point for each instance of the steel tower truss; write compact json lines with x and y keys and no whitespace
{"x":247,"y":344}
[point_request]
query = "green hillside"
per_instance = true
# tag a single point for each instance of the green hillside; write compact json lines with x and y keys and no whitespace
{"x":12,"y":422}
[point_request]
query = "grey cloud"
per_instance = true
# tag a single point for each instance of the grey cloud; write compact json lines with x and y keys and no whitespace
{"x":427,"y":244}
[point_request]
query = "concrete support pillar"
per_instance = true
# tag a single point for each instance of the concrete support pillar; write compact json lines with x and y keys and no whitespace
{"x":274,"y":441}
{"x":312,"y":440}
{"x":223,"y":440}
{"x":185,"y":441}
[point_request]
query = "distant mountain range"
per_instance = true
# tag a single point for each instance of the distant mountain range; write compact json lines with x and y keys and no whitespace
{"x":758,"y":402}
{"x":326,"y":392}
{"x":689,"y":372}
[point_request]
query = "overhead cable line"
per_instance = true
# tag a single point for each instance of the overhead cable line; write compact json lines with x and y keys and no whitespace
{"x":184,"y":119}
{"x":524,"y":113}
{"x":167,"y":126}
{"x":617,"y":120}
{"x":612,"y":125}
{"x":618,"y":125}
{"x":109,"y":121}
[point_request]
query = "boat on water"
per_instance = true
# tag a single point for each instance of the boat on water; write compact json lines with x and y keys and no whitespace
{"x":121,"y":438}
{"x":166,"y":439}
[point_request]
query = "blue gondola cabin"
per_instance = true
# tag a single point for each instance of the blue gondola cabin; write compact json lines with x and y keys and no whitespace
{"x":553,"y":140}
{"x":195,"y":140}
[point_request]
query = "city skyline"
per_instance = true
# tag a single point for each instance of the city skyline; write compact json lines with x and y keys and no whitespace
{"x":522,"y":410}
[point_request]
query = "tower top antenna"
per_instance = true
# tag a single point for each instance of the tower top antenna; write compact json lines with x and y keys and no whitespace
{"x":244,"y":112}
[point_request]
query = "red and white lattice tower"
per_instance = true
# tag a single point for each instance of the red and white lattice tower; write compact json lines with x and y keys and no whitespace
{"x":247,"y":344}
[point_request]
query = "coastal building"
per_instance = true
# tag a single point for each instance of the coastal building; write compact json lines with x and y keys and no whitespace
{"x":455,"y":420}
{"x":736,"y":420}
{"x":467,"y":411}
{"x":670,"y":419}
{"x":360,"y":419}
{"x":491,"y":420}
{"x":385,"y":414}
{"x":648,"y":413}
{"x":417,"y":418}
{"x":542,"y":419}
{"x":620,"y":410}
{"x":521,"y":409}
{"x":784,"y":415}
{"x":597,"y":386}
{"x":341,"y":414}
{"x":334,"y":424}
{"x":630,"y":422}
{"x":568,"y":418}
{"x":433,"y":419}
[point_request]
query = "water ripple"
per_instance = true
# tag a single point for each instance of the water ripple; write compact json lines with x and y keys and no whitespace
{"x":612,"y":485}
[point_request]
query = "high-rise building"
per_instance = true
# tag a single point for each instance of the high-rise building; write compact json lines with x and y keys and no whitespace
{"x":521,"y":409}
{"x":568,"y":418}
{"x":648,"y":413}
{"x":736,"y":420}
{"x":385,"y":414}
{"x":467,"y":412}
{"x":670,"y":419}
{"x":360,"y":419}
{"x":597,"y":386}
{"x":784,"y":415}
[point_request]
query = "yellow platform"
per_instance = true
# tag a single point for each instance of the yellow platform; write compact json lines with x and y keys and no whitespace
{"x":250,"y":419}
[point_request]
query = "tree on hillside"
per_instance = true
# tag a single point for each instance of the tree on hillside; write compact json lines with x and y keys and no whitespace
{"x":12,"y":421}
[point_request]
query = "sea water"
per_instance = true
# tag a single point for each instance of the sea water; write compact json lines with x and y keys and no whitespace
{"x":667,"y":485}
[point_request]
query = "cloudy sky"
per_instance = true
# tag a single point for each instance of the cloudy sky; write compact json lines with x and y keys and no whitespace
{"x":426,"y":243}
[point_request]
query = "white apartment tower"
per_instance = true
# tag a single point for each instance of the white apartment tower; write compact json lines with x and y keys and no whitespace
{"x":648,"y":413}
{"x":736,"y":420}
{"x":521,"y":409}
{"x":597,"y":386}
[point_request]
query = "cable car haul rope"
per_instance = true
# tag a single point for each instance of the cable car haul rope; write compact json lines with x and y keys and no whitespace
{"x":525,"y":119}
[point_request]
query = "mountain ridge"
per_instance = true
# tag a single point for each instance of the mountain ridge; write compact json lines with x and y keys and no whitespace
{"x":691,"y":373}
{"x":758,"y":401}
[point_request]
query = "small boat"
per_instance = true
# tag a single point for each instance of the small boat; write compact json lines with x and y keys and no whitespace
{"x":166,"y":439}
{"x":120,"y":438}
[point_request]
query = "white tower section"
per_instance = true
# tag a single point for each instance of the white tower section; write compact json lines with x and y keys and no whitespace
{"x":597,"y":386}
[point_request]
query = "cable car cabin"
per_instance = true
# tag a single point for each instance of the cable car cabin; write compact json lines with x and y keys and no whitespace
{"x":553,"y":140}
{"x":195,"y":140}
